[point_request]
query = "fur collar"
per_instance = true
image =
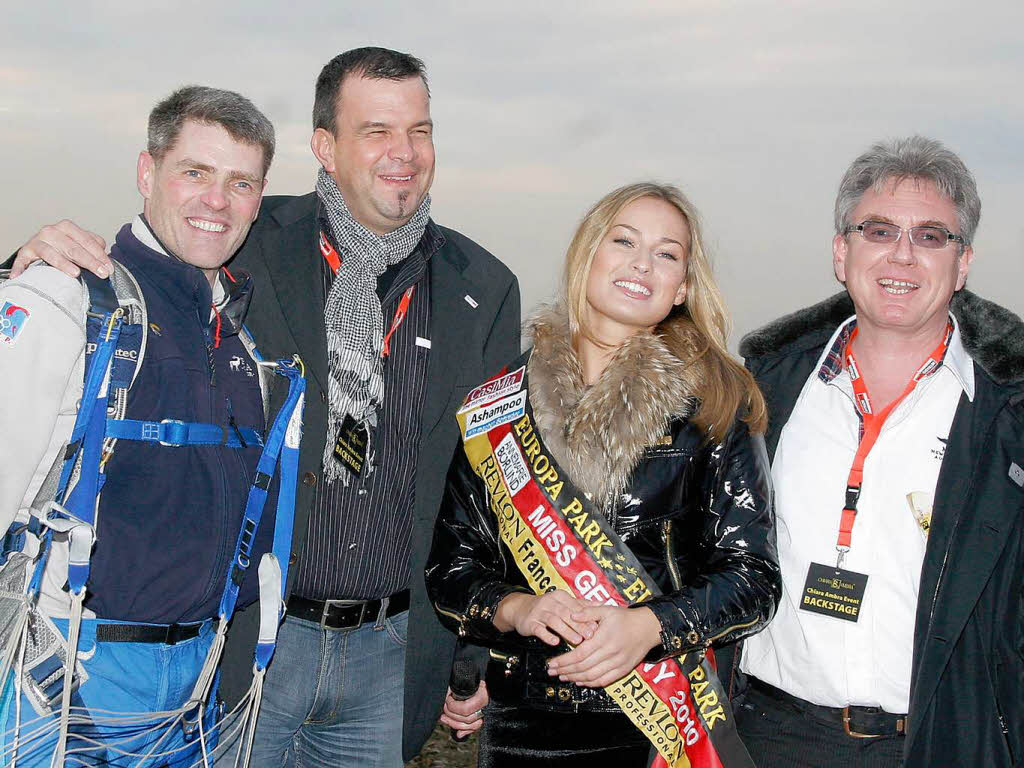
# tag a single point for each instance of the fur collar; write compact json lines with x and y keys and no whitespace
{"x":599,"y":433}
{"x":993,"y":336}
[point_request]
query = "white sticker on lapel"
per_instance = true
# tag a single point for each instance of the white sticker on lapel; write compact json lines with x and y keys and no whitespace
{"x":471,"y":301}
{"x":421,"y":342}
{"x":1017,"y":474}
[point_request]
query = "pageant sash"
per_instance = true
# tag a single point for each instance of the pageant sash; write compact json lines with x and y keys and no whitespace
{"x":559,"y":540}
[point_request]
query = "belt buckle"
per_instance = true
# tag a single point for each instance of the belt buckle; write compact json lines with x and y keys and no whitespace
{"x":856,"y":734}
{"x":328,"y":604}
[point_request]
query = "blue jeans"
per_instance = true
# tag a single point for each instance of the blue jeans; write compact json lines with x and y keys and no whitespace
{"x":122,"y":677}
{"x":332,"y":698}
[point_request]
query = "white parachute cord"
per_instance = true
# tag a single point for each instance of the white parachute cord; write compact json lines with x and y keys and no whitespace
{"x":74,"y":628}
{"x":201,"y":691}
{"x":254,"y":712}
{"x":202,"y":736}
{"x":153,"y":750}
{"x":223,"y":743}
{"x":242,"y":727}
{"x":23,"y":641}
{"x":7,"y":662}
{"x":166,"y":724}
{"x":30,"y":732}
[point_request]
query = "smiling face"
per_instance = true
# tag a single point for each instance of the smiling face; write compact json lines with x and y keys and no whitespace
{"x":639,"y":270}
{"x":902,"y":288}
{"x":382,"y":152}
{"x":202,"y":196}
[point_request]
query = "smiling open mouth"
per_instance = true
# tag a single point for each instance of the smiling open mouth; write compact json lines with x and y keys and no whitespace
{"x":629,"y":285}
{"x":897,"y":287}
{"x":207,"y":226}
{"x":397,"y":178}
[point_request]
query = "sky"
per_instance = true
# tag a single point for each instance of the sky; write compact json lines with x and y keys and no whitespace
{"x":754,"y":109}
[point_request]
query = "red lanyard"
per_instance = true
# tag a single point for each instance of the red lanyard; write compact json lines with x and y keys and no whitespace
{"x":334,"y":262}
{"x":872,"y":428}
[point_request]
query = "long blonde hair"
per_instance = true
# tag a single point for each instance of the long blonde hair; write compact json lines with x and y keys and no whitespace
{"x":729,"y":388}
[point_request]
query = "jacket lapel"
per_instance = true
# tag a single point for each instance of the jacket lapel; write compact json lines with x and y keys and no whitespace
{"x":451,"y":321}
{"x":292,"y":257}
{"x":964,"y":545}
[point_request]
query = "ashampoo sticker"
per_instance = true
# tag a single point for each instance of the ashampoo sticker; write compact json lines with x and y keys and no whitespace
{"x":490,"y":416}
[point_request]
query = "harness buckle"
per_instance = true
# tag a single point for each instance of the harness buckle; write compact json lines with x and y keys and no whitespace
{"x":173,"y":433}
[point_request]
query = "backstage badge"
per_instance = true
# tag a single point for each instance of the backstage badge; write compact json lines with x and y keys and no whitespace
{"x":353,"y":441}
{"x":834,"y":592}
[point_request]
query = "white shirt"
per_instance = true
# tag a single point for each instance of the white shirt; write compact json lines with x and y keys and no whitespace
{"x":826,"y":660}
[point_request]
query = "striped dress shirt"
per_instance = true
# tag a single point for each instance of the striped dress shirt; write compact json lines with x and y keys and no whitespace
{"x":359,"y":535}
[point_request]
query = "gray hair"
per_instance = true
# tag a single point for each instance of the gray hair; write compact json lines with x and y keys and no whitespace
{"x":916,"y":157}
{"x":210,"y":106}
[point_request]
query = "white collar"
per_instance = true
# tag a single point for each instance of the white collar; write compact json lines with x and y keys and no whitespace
{"x":957,"y":361}
{"x":145,"y":236}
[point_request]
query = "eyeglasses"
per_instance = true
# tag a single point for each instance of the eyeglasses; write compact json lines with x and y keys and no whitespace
{"x":926,"y":236}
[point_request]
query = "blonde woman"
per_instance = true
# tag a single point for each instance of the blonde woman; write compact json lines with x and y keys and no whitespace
{"x":611,"y":505}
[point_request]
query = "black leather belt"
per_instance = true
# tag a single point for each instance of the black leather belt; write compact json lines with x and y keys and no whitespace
{"x":168,"y":634}
{"x":345,"y":614}
{"x":857,"y":722}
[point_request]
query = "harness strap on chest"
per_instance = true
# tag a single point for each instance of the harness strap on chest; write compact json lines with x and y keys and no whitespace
{"x":172,"y":432}
{"x":280,"y":450}
{"x":74,"y":511}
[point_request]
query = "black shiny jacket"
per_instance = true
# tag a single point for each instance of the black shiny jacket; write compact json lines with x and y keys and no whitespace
{"x":697,"y":515}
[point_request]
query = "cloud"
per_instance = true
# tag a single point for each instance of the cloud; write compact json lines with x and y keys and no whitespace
{"x":755,"y":108}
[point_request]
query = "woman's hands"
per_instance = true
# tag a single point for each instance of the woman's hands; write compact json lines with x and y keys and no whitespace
{"x":548,"y":617}
{"x":610,"y":641}
{"x":465,"y":716}
{"x":621,"y":641}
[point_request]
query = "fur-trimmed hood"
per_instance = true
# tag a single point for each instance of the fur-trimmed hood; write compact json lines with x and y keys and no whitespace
{"x":993,"y":336}
{"x":599,"y":433}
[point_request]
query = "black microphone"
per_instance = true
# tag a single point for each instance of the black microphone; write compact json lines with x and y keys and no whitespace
{"x":464,"y":681}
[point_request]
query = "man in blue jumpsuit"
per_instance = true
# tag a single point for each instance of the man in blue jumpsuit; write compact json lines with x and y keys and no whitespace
{"x":171,"y":509}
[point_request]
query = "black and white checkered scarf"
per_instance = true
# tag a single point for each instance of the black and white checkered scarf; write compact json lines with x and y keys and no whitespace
{"x":353,"y":317}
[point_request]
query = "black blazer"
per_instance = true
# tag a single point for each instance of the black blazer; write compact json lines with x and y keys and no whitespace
{"x":468,"y":344}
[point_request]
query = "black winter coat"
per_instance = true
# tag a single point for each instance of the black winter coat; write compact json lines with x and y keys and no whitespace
{"x":697,"y":514}
{"x":967,"y":682}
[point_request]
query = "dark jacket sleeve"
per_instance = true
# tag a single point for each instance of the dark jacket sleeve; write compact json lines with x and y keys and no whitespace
{"x":738,"y":584}
{"x":467,"y":568}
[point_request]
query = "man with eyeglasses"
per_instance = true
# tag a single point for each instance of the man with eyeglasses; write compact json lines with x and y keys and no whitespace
{"x":897,"y":444}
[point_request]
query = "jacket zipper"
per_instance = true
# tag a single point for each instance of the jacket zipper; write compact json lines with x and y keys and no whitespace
{"x":453,"y":615}
{"x":227,"y":537}
{"x":670,"y":558}
{"x":673,"y":570}
{"x":733,"y":628}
